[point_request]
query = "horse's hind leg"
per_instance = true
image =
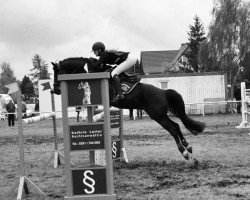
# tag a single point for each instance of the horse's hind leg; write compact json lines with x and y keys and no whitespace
{"x":185,"y":143}
{"x":174,"y":129}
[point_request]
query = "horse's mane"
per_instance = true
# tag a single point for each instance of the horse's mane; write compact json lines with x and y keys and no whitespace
{"x":73,"y":65}
{"x":73,"y":60}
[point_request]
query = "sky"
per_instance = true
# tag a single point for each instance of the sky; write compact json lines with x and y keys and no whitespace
{"x":59,"y":29}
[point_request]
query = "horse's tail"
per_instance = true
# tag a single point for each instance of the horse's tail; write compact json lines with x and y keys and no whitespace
{"x":177,"y":107}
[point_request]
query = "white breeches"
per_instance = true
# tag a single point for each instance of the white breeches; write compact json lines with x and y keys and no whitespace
{"x":128,"y":63}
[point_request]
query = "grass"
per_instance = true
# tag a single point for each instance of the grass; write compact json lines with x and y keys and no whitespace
{"x":156,"y":170}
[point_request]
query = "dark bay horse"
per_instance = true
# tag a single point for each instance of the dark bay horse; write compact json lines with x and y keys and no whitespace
{"x":154,"y":101}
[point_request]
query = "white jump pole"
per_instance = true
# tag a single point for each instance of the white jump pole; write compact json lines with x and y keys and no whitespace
{"x":38,"y":118}
{"x":244,"y":123}
{"x":98,"y":116}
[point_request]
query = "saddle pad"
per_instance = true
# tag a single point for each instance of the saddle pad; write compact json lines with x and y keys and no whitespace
{"x":127,"y":87}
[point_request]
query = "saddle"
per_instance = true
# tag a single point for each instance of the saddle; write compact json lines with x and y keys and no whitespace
{"x":128,"y":82}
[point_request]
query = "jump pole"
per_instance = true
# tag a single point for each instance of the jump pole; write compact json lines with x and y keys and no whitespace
{"x":22,"y":185}
{"x":56,"y":155}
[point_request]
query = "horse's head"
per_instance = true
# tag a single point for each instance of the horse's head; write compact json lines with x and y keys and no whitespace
{"x":92,"y":68}
{"x":91,"y":62}
{"x":69,"y":66}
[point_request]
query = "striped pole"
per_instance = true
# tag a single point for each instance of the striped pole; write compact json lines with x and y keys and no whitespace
{"x":38,"y":118}
{"x":98,"y":116}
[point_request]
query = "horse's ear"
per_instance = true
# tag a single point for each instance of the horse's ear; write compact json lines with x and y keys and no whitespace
{"x":55,"y":66}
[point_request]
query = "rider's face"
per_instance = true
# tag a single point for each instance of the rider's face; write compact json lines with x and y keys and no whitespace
{"x":96,"y":52}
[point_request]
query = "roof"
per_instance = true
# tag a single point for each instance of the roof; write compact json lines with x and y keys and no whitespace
{"x":155,"y":61}
{"x":161,"y":61}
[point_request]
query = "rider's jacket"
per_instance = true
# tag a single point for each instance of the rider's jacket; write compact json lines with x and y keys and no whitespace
{"x":110,"y":58}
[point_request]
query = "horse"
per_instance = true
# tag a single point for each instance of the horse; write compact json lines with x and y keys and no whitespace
{"x":156,"y":102}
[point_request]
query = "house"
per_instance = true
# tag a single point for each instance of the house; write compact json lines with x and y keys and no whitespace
{"x":169,"y":70}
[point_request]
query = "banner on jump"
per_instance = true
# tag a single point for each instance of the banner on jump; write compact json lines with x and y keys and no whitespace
{"x":89,"y":181}
{"x":84,"y":92}
{"x":86,"y":137}
{"x":115,"y":123}
{"x":114,"y":114}
{"x":116,"y":149}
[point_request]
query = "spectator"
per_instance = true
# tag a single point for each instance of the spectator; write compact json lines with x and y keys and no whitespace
{"x":37,"y":105}
{"x":131,"y":116}
{"x":10,"y":107}
{"x":24,"y":109}
{"x":139,"y":113}
{"x":237,"y":96}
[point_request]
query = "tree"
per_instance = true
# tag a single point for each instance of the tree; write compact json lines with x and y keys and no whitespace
{"x":40,"y":69}
{"x":206,"y":61}
{"x":7,"y":76}
{"x":229,"y":36}
{"x":196,"y":36}
{"x":27,"y":87}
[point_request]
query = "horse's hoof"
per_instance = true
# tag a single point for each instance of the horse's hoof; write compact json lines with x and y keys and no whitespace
{"x":189,"y":149}
{"x":185,"y":155}
{"x":195,"y":163}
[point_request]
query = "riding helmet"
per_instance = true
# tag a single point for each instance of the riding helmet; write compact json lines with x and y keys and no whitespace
{"x":97,"y":46}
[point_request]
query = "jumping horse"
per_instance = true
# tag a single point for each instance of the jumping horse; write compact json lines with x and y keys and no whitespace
{"x":157,"y":103}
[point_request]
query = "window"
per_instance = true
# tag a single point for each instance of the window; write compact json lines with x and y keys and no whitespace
{"x":164,"y":85}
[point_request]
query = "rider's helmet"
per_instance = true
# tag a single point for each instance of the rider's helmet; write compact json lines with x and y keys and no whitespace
{"x":98,"y":46}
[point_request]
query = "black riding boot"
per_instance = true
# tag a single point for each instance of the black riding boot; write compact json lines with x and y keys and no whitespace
{"x":117,"y":83}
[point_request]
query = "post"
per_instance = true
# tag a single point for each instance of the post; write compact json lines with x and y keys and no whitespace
{"x":244,"y":123}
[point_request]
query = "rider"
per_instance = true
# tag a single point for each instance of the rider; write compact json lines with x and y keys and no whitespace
{"x":123,"y":60}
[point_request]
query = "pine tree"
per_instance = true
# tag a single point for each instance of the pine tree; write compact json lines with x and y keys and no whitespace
{"x":196,"y":36}
{"x":7,"y":76}
{"x":27,"y":87}
{"x":40,"y":69}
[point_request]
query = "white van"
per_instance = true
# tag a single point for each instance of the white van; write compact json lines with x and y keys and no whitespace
{"x":4,"y":99}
